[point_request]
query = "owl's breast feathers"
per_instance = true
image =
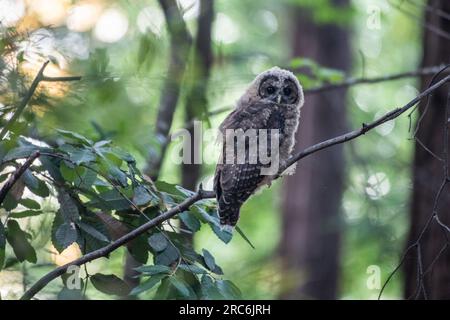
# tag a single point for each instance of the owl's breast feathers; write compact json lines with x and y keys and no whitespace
{"x":235,"y":182}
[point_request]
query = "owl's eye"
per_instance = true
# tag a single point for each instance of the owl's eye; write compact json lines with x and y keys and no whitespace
{"x":270,"y":90}
{"x":287,"y":91}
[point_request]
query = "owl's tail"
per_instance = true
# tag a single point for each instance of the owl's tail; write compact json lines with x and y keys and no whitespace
{"x":228,"y":213}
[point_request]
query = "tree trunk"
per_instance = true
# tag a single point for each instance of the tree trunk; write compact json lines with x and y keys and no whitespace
{"x":312,"y":197}
{"x":428,"y":174}
{"x":196,"y":101}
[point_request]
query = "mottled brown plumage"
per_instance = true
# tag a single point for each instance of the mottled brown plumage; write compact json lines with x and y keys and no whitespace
{"x":272,"y":101}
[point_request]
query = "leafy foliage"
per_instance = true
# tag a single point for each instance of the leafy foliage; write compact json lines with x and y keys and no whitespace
{"x":110,"y":284}
{"x":89,"y":177}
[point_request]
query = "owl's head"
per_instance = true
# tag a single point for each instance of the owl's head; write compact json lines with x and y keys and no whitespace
{"x":275,"y":85}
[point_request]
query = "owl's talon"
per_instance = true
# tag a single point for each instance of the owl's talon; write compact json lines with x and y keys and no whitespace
{"x":227,"y":228}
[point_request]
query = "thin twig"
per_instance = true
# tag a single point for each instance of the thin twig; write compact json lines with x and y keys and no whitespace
{"x":365,"y":127}
{"x":16,"y":176}
{"x":356,"y":81}
{"x":61,"y":79}
{"x":350,"y":82}
{"x":24,"y":102}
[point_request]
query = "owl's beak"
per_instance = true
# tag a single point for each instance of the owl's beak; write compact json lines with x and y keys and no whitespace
{"x":279,"y":98}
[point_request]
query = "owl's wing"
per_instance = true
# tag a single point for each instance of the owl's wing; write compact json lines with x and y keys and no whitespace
{"x":234,"y":183}
{"x":255,"y":116}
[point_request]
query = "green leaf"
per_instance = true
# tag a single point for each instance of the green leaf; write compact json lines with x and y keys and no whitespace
{"x":170,"y":188}
{"x":209,"y":260}
{"x":92,"y":231}
{"x":52,"y":166}
{"x":141,"y":196}
{"x":30,"y":204}
{"x":303,"y":62}
{"x":66,"y":234}
{"x":18,"y":241}
{"x":154,"y":269}
{"x":330,"y":75}
{"x":25,"y":213}
{"x":147,"y":45}
{"x":57,"y":222}
{"x":102,"y":143}
{"x":67,"y":172}
{"x":213,"y":223}
{"x":110,"y":200}
{"x":158,"y":242}
{"x":68,"y":207}
{"x":228,"y":289}
{"x":138,"y":248}
{"x":110,"y":284}
{"x":42,"y":189}
{"x":82,"y":156}
{"x":30,"y":181}
{"x":36,"y":186}
{"x":10,"y":262}
{"x":168,"y":256}
{"x":180,"y":285}
{"x":10,"y":202}
{"x":192,"y":268}
{"x":88,"y":239}
{"x":164,"y":289}
{"x":2,"y":245}
{"x":74,"y":136}
{"x":121,"y":154}
{"x":14,"y":196}
{"x":185,"y":192}
{"x":87,"y":179}
{"x":4,"y":176}
{"x":221,"y":234}
{"x":148,"y":284}
{"x":70,"y":294}
{"x":190,"y":221}
{"x":210,"y":291}
{"x":117,"y":175}
{"x":20,"y":152}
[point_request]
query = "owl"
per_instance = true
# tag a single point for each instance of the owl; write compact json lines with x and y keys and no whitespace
{"x":272,"y":103}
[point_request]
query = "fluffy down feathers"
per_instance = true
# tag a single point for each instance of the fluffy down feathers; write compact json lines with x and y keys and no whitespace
{"x":272,"y":101}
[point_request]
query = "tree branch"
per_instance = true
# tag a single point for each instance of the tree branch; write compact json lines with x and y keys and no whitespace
{"x":24,"y":102}
{"x":365,"y":127}
{"x":201,"y":194}
{"x":350,"y":82}
{"x":356,"y":81}
{"x":41,"y":283}
{"x":16,"y":176}
{"x":60,"y":79}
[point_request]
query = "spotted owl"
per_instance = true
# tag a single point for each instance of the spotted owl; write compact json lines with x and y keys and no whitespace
{"x":271,"y":103}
